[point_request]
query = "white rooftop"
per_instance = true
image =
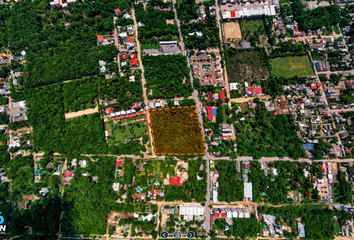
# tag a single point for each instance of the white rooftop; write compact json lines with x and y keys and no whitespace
{"x":191,"y":210}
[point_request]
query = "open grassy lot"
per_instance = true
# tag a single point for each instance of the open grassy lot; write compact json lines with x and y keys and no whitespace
{"x":118,"y":132}
{"x":150,"y":45}
{"x":177,"y":131}
{"x":291,"y":66}
{"x":244,"y":64}
{"x":252,"y":27}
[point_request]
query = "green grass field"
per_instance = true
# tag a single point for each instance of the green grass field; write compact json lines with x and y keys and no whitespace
{"x":291,"y":66}
{"x":252,"y":27}
{"x":118,"y":133}
{"x":151,"y":45}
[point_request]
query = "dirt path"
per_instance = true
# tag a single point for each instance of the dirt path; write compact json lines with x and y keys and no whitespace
{"x":247,"y":99}
{"x":143,"y":82}
{"x":82,"y":112}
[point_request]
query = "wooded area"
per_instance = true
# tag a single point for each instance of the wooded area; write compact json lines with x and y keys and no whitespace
{"x":167,"y":76}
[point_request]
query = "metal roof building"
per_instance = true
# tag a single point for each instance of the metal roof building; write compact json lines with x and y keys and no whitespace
{"x":191,"y":210}
{"x":248,"y":190}
{"x":248,"y":12}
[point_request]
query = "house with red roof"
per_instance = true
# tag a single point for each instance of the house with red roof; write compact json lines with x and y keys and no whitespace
{"x":211,"y":96}
{"x":222,"y":95}
{"x":66,"y":181}
{"x":175,"y":181}
{"x":100,"y":38}
{"x":130,"y":39}
{"x":133,"y":62}
{"x":124,"y":56}
{"x":119,"y":163}
{"x":109,"y":110}
{"x":117,"y":10}
{"x":68,"y":174}
{"x":210,"y":113}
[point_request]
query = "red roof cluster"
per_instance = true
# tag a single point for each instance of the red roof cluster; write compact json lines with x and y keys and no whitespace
{"x":255,"y":89}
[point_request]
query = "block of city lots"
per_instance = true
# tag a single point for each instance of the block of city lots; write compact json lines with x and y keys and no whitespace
{"x":151,"y":180}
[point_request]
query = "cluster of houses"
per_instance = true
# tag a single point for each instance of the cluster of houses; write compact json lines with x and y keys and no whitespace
{"x":208,"y":69}
{"x":229,"y":213}
{"x":271,"y":228}
{"x":254,"y":90}
{"x":60,"y":3}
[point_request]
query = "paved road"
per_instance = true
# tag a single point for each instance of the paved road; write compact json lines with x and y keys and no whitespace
{"x":143,"y":81}
{"x":199,"y":110}
{"x":116,"y":42}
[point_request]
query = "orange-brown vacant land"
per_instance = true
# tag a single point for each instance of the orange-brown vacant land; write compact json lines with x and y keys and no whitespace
{"x":177,"y":131}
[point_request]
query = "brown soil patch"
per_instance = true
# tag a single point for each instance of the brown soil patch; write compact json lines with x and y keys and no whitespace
{"x":82,"y":112}
{"x":232,"y":30}
{"x":169,"y":21}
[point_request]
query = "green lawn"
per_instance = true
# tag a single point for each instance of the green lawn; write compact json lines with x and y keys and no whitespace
{"x":291,"y":66}
{"x":252,"y":27}
{"x":151,"y":45}
{"x":118,"y":133}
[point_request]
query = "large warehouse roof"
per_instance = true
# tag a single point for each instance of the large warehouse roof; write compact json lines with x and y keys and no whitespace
{"x":247,"y":12}
{"x":191,"y":210}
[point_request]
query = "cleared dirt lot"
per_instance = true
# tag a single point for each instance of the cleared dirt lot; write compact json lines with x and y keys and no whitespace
{"x":168,"y":21}
{"x":232,"y":30}
{"x":244,"y":64}
{"x":82,"y":112}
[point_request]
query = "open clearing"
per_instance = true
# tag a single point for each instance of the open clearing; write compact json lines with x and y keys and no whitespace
{"x":242,"y":65}
{"x":121,"y":132}
{"x":169,"y":21}
{"x":253,"y":27}
{"x":232,"y":30}
{"x":177,"y":131}
{"x":291,"y":66}
{"x":82,"y":112}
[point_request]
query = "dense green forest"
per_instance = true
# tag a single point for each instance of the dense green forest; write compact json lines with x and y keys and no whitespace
{"x":268,"y":135}
{"x":81,"y":94}
{"x":316,"y":18}
{"x":167,"y":76}
{"x":230,"y":183}
{"x":319,"y":221}
{"x":187,"y":11}
{"x":275,"y":189}
{"x":192,"y":188}
{"x":87,"y":203}
{"x":155,"y":25}
{"x":56,"y":53}
{"x":273,"y":86}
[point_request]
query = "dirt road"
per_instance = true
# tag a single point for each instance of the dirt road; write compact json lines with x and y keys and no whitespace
{"x":247,"y":99}
{"x":82,"y":112}
{"x":143,"y":82}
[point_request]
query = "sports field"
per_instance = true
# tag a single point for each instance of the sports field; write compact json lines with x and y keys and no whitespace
{"x":291,"y":66}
